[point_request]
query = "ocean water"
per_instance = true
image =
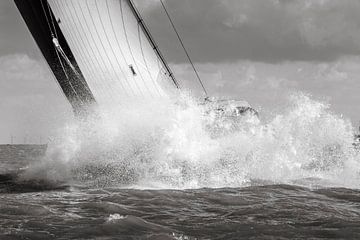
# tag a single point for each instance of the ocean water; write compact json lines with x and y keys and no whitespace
{"x":257,"y":212}
{"x":179,"y":170}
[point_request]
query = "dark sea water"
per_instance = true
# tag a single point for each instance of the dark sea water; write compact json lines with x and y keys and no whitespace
{"x":257,"y":212}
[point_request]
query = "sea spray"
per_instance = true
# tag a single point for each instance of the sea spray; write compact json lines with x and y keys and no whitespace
{"x":176,"y":144}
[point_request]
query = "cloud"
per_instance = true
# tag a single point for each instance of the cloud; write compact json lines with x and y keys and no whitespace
{"x":31,"y":102}
{"x":19,"y":72}
{"x":15,"y":37}
{"x":256,"y":30}
{"x":267,"y":85}
{"x":236,"y":21}
{"x":331,"y":72}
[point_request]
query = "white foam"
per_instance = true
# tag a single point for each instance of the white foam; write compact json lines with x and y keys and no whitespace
{"x":114,"y":217}
{"x":172,"y":144}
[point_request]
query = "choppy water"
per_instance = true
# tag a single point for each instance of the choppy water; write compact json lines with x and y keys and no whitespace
{"x":178,"y":171}
{"x":258,"y":212}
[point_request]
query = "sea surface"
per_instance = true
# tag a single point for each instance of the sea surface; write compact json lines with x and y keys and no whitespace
{"x":183,"y":171}
{"x":256,"y":212}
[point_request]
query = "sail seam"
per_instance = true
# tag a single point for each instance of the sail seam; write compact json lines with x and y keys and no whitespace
{"x":98,"y":50}
{"x":81,"y":52}
{"x":98,"y":35}
{"x":119,"y":46}
{"x":107,"y":38}
{"x":128,"y":44}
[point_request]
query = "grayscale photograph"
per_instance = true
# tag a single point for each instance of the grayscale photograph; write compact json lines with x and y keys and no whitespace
{"x":179,"y":119}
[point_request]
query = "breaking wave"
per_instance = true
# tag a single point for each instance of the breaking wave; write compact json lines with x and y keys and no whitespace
{"x":182,"y":144}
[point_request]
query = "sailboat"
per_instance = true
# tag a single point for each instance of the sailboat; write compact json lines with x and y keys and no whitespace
{"x":101,"y":51}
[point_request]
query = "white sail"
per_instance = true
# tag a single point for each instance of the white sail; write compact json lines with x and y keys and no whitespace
{"x":113,"y":53}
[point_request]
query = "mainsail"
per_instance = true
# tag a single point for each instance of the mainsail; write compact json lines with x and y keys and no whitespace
{"x":99,"y":51}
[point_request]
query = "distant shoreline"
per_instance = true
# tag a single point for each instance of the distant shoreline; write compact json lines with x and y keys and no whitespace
{"x":23,"y":144}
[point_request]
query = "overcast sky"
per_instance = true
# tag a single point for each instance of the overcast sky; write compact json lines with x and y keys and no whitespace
{"x":257,"y":50}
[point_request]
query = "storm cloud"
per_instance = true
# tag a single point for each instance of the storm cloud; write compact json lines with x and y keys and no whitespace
{"x":256,"y":30}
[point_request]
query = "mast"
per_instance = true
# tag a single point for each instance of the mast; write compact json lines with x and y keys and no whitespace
{"x":37,"y":15}
{"x":152,"y":41}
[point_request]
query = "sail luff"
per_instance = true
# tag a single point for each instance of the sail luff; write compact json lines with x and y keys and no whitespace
{"x":89,"y":40}
{"x":76,"y":50}
{"x":64,"y":60}
{"x":112,"y":47}
{"x":35,"y":18}
{"x":84,"y":54}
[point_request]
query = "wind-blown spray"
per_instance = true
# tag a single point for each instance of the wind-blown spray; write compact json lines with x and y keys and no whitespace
{"x":183,"y":144}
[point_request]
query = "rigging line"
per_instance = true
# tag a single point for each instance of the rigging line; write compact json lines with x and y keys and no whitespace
{"x":53,"y":75}
{"x":46,"y":16}
{"x":59,"y":50}
{"x":119,"y":45}
{"x":62,"y":66}
{"x":128,"y":44}
{"x":183,"y":46}
{"x":105,"y":76}
{"x":67,"y":77}
{"x":152,"y":42}
{"x":107,"y":56}
{"x":52,"y":20}
{"x":112,"y":50}
{"x":80,"y":46}
{"x":145,"y":62}
{"x":67,"y":60}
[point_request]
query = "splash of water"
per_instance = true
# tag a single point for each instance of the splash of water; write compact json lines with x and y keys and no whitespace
{"x":183,"y":144}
